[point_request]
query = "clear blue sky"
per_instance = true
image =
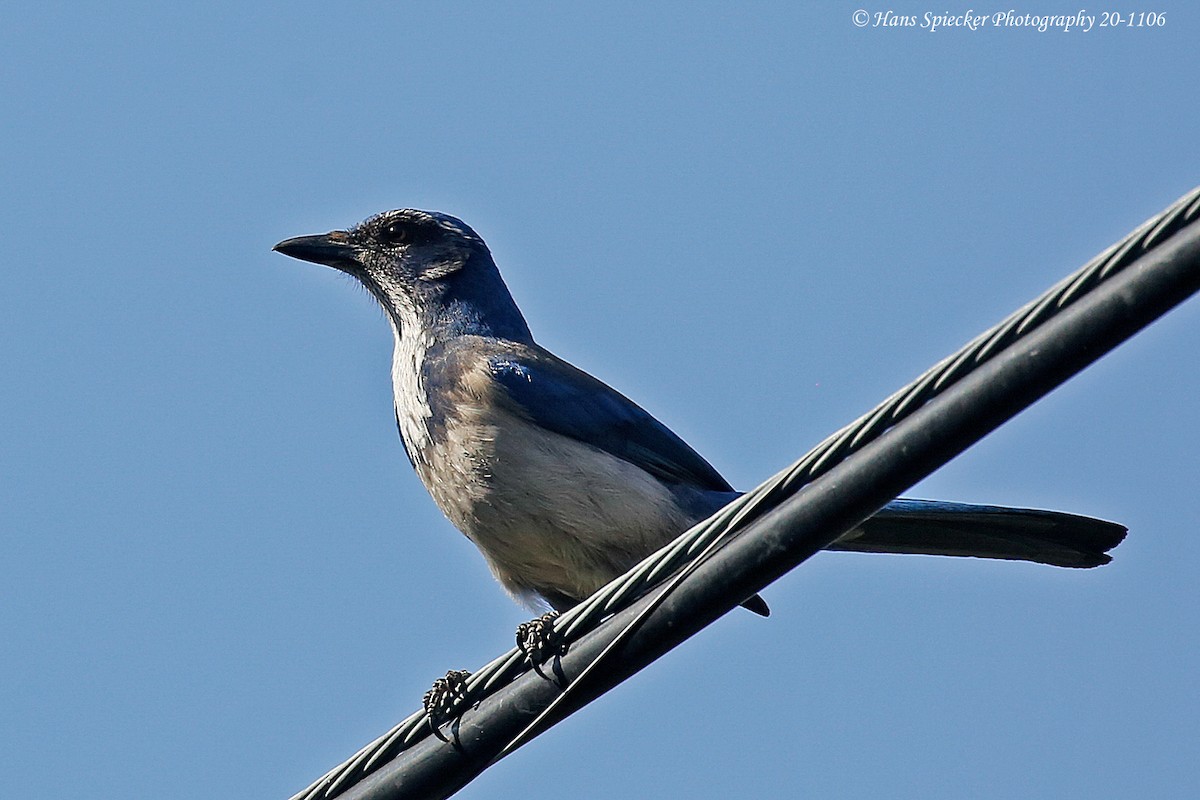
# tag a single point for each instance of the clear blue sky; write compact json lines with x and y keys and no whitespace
{"x":221,"y":576}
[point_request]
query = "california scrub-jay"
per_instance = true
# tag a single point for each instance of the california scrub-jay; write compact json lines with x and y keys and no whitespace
{"x":560,"y":481}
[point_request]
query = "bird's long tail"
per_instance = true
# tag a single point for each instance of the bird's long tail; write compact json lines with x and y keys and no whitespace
{"x":960,"y":529}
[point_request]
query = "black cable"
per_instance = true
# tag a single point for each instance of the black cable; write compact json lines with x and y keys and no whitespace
{"x":852,"y":474}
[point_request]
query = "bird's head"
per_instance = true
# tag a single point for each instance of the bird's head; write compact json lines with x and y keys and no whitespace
{"x":424,"y":268}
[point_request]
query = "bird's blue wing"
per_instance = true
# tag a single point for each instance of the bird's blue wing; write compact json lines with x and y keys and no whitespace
{"x":569,"y":402}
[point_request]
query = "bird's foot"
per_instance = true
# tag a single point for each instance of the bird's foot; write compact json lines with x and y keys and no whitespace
{"x":538,"y":639}
{"x":446,"y":699}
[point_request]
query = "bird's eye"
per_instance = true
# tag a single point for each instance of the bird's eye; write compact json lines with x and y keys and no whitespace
{"x":396,"y":233}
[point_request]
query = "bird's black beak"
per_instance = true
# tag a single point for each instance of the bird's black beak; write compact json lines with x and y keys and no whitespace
{"x":332,"y":249}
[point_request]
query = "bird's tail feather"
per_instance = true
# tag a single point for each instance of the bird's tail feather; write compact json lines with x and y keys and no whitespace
{"x":960,"y":529}
{"x":758,"y":606}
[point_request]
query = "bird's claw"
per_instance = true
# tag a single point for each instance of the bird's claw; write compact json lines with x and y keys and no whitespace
{"x":538,"y":639}
{"x":445,"y":700}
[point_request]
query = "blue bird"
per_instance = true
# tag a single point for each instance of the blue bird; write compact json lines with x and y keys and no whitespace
{"x":560,"y":481}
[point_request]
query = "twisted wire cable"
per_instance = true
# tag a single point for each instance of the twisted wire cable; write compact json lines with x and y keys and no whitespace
{"x":691,"y":547}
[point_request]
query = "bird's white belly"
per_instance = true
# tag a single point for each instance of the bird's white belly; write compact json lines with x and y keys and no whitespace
{"x":549,"y":513}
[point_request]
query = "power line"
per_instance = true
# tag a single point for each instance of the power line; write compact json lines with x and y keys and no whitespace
{"x":770,"y":530}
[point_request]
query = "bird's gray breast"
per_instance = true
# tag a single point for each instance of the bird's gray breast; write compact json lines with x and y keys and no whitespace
{"x":552,"y":515}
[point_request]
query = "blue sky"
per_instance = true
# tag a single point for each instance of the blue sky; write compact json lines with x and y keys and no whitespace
{"x":221,"y":576}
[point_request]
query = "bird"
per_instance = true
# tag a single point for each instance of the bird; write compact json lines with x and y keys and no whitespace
{"x":559,"y":480}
